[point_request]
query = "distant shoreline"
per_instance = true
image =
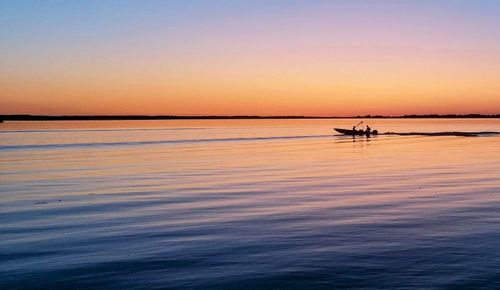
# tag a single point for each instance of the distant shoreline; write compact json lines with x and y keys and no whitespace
{"x":171,"y":117}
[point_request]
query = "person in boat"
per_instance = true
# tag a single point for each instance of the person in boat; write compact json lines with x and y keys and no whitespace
{"x":368,"y":129}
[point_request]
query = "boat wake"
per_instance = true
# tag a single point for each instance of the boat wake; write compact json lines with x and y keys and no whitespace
{"x":153,"y":142}
{"x":453,"y":133}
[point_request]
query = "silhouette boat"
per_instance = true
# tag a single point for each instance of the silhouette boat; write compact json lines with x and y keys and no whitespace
{"x":355,"y":132}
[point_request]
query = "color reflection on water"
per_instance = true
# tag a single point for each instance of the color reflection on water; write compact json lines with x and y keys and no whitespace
{"x":248,"y":204}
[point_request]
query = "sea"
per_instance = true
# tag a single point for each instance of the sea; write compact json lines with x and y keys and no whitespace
{"x":249,"y":204}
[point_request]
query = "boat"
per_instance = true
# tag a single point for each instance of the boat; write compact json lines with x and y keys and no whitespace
{"x":355,"y":132}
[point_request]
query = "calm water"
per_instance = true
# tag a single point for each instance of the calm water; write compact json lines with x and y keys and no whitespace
{"x":248,"y":204}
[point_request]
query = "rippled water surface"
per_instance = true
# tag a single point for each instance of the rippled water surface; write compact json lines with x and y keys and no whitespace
{"x":248,"y":204}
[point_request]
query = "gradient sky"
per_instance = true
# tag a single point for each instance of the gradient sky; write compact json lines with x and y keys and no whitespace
{"x":249,"y":57}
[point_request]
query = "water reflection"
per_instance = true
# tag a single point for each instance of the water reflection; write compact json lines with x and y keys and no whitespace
{"x":269,"y":205}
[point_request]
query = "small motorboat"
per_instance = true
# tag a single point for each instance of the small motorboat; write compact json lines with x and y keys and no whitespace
{"x":355,"y":132}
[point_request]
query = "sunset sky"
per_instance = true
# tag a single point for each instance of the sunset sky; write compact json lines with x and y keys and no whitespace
{"x":249,"y":57}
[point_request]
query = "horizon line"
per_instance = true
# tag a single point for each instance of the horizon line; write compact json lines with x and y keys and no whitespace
{"x":30,"y":117}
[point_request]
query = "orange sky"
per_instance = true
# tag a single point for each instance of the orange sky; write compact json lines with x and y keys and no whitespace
{"x":327,"y":58}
